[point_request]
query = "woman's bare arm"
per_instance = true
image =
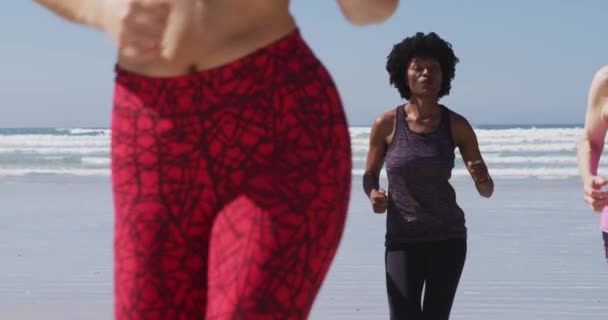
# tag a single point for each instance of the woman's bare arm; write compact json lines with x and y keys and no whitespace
{"x":137,"y":27}
{"x":591,"y":142}
{"x":85,"y":12}
{"x":466,"y":140}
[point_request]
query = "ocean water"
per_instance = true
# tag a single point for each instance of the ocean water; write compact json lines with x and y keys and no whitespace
{"x":54,"y":151}
{"x":535,"y":250}
{"x":509,"y":151}
{"x":517,"y":151}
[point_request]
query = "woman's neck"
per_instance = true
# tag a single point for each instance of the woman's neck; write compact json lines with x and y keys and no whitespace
{"x":423,"y":107}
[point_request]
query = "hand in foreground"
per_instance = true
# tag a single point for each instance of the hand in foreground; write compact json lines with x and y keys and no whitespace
{"x":138,"y":27}
{"x":593,"y":194}
{"x":478,"y":171}
{"x":379,"y":200}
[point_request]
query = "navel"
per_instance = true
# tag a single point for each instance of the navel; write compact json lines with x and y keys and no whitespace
{"x":193,"y":68}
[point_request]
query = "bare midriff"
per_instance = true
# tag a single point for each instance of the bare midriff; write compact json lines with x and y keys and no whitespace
{"x":206,"y":34}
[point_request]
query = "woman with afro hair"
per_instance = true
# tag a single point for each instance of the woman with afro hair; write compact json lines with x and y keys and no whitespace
{"x":426,"y":236}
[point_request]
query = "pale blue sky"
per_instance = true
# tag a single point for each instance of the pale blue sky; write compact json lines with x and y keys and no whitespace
{"x":522,"y":61}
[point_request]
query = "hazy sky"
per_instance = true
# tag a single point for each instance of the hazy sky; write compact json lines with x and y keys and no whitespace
{"x":522,"y":61}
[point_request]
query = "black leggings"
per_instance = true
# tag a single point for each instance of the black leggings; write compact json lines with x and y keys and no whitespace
{"x":436,"y":266}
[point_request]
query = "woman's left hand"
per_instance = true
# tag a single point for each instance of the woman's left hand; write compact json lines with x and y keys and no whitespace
{"x":478,"y":171}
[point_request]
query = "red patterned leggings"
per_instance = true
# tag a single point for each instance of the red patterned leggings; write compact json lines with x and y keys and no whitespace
{"x":231,"y":187}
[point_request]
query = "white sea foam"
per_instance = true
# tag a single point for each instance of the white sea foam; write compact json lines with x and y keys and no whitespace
{"x":509,"y":152}
{"x":540,"y":172}
{"x":4,"y":172}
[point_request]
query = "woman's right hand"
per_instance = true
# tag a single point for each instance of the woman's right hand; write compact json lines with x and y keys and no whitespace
{"x":594,"y":196}
{"x":137,"y":27}
{"x":379,"y":200}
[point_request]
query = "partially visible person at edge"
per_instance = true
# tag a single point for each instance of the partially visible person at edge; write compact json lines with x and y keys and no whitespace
{"x":231,"y":161}
{"x":426,"y":235}
{"x":590,"y":147}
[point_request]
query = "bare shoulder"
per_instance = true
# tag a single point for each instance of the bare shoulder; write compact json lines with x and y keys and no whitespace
{"x":386,"y":119}
{"x":600,"y":79}
{"x":459,"y":122}
{"x":598,"y":92}
{"x":385,"y":123}
{"x":462,"y":131}
{"x":602,"y":74}
{"x":382,"y":128}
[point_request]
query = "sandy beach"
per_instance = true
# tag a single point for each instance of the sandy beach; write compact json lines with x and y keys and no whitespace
{"x":534,"y":253}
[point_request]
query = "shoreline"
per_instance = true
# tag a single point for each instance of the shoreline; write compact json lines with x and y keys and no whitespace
{"x":535,"y":252}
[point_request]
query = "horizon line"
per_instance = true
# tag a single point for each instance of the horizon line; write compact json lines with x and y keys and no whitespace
{"x":350,"y":125}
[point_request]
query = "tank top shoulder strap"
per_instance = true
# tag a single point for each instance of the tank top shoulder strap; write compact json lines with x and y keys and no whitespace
{"x":399,"y":118}
{"x":446,"y":123}
{"x":398,"y":129}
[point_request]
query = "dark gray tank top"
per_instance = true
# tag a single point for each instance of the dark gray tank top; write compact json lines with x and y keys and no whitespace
{"x":421,"y":202}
